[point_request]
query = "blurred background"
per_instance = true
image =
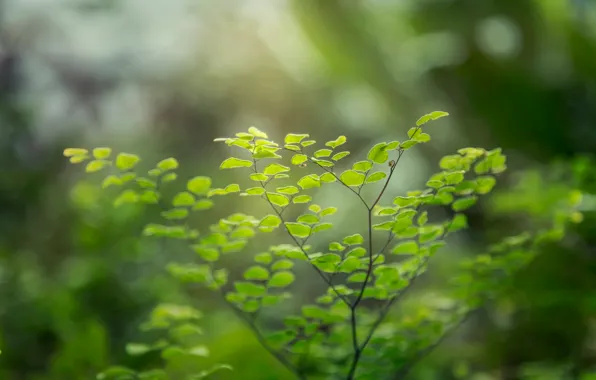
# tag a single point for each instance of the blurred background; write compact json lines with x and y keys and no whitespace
{"x":164,"y":78}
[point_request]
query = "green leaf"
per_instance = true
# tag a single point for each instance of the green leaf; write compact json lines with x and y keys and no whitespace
{"x":260,"y":177}
{"x":353,"y":239}
{"x":232,"y":163}
{"x":485,"y":184}
{"x":127,"y":196}
{"x":298,"y":230}
{"x":322,"y":227}
{"x":430,"y":233}
{"x":378,"y":154}
{"x":111,"y":180}
{"x":102,"y":153}
{"x":293,"y":138}
{"x":255,"y":191}
{"x":352,"y":178}
{"x":203,"y":204}
{"x":459,"y":222}
{"x":175,"y":214}
{"x":274,"y":169}
{"x":464,"y":203}
{"x":256,"y":273}
{"x":266,"y":152}
{"x":414,"y":132}
{"x":393,"y":145}
{"x":315,"y":208}
{"x":323,"y":153}
{"x":406,"y":247}
{"x":146,"y":183}
{"x":207,"y":253}
{"x":282,"y":264}
{"x":78,"y":159}
{"x":350,"y":264}
{"x":70,"y":152}
{"x":96,"y":165}
{"x":340,"y":155}
{"x":328,"y":211}
{"x":310,"y":181}
{"x":250,"y":289}
{"x":263,"y":258}
{"x":422,"y":138}
{"x":327,"y":262}
{"x":337,"y":142}
{"x":423,"y":218}
{"x":431,"y":116}
{"x":357,"y":277}
{"x":307,"y":143}
{"x":136,"y":349}
{"x":308,"y":219}
{"x":270,"y":221}
{"x":376,"y":177}
{"x":125,"y":161}
{"x":454,"y":178}
{"x":168,"y":164}
{"x":278,"y":199}
{"x":169,"y":177}
{"x":199,"y":185}
{"x":356,"y":252}
{"x":362,"y":166}
{"x":257,"y":133}
{"x":327,"y":178}
{"x":405,"y":201}
{"x":290,"y":190}
{"x":408,"y":144}
{"x":183,"y":199}
{"x":299,"y":159}
{"x":302,"y":199}
{"x":281,"y":279}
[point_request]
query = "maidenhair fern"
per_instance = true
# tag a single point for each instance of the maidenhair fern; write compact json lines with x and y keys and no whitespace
{"x":343,"y":334}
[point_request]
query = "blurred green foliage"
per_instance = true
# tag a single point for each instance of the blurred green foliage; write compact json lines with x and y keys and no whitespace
{"x":166,"y":79}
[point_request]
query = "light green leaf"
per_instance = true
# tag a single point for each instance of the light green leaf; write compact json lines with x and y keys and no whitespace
{"x":405,"y":201}
{"x":274,"y":169}
{"x":250,"y":289}
{"x":464,"y":203}
{"x":298,"y":230}
{"x":282,"y":264}
{"x":270,"y":221}
{"x":327,"y":178}
{"x":255,"y":191}
{"x":70,"y":152}
{"x":328,"y":211}
{"x":310,"y":181}
{"x":323,"y":153}
{"x":278,"y":199}
{"x":266,"y":152}
{"x":102,"y":153}
{"x":352,"y":178}
{"x":111,"y":180}
{"x":183,"y":199}
{"x":207,"y":253}
{"x":431,"y":116}
{"x":485,"y":184}
{"x":308,"y":219}
{"x":293,"y":138}
{"x":232,"y":163}
{"x":357,"y":277}
{"x":232,"y":188}
{"x":406,"y":247}
{"x":299,"y":159}
{"x":263,"y":258}
{"x":307,"y":143}
{"x":378,"y":154}
{"x":175,"y":214}
{"x":96,"y":165}
{"x":356,"y":252}
{"x":353,"y":239}
{"x":281,"y":279}
{"x":168,"y":164}
{"x":290,"y":190}
{"x":362,"y":166}
{"x":376,"y":177}
{"x":337,"y":142}
{"x":78,"y":159}
{"x":340,"y":155}
{"x":260,"y":177}
{"x":315,"y":208}
{"x":169,"y":177}
{"x":322,"y":227}
{"x":257,"y":133}
{"x":302,"y":199}
{"x":454,"y":178}
{"x":199,"y":185}
{"x":256,"y":273}
{"x":350,"y":264}
{"x":127,"y":196}
{"x":203,"y":204}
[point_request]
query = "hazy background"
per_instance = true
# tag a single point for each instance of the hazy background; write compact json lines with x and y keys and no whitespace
{"x":165,"y":77}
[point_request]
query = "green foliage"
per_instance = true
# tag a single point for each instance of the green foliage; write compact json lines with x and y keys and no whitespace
{"x":333,"y":335}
